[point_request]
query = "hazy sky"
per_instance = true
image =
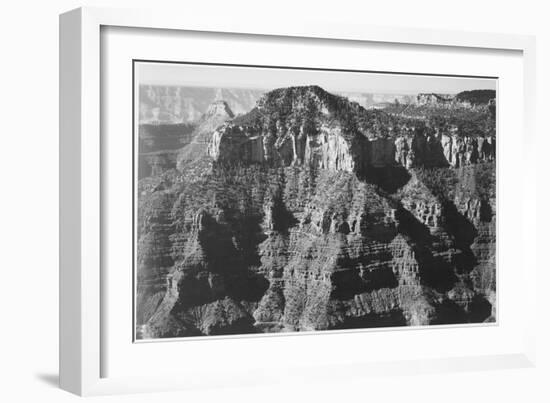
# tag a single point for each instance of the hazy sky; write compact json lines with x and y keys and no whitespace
{"x":271,"y":78}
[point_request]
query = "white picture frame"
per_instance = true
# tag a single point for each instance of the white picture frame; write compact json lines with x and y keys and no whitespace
{"x":82,"y":343}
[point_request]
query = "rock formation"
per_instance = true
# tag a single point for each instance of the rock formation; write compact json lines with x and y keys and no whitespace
{"x":217,"y":113}
{"x":164,"y":147}
{"x":302,"y":217}
{"x":467,"y":99}
{"x":322,"y":130}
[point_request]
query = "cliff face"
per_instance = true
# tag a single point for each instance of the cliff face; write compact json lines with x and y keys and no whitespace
{"x":293,"y":127}
{"x":283,"y":228}
{"x":324,"y":131}
{"x":326,"y":148}
{"x":304,"y":250}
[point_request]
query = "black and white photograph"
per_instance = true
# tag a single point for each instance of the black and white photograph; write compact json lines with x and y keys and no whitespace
{"x":273,"y":199}
{"x":287,"y":201}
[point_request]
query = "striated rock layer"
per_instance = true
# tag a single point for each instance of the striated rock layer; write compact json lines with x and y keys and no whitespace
{"x":253,"y":249}
{"x":281,"y":227}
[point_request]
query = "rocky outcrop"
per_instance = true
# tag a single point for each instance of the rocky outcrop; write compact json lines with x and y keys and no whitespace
{"x":285,"y":231}
{"x":321,"y":250}
{"x":475,"y":98}
{"x":465,"y":99}
{"x":217,"y":113}
{"x":435,"y":99}
{"x":324,"y":131}
{"x":460,"y":151}
{"x":308,"y":131}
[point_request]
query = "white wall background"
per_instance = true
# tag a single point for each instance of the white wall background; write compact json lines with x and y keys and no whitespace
{"x":29,"y":201}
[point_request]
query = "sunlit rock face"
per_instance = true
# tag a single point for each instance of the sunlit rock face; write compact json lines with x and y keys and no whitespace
{"x":297,"y":126}
{"x":308,"y":126}
{"x":301,"y":216}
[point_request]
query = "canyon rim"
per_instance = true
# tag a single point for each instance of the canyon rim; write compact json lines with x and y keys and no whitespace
{"x":273,"y":200}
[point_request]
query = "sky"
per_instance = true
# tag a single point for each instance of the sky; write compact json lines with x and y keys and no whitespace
{"x":270,"y":78}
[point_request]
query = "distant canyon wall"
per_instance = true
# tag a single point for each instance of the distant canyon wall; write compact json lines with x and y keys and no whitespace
{"x":165,"y":104}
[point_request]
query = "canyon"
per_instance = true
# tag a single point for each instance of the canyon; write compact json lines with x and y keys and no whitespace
{"x":176,"y":104}
{"x":309,"y":213}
